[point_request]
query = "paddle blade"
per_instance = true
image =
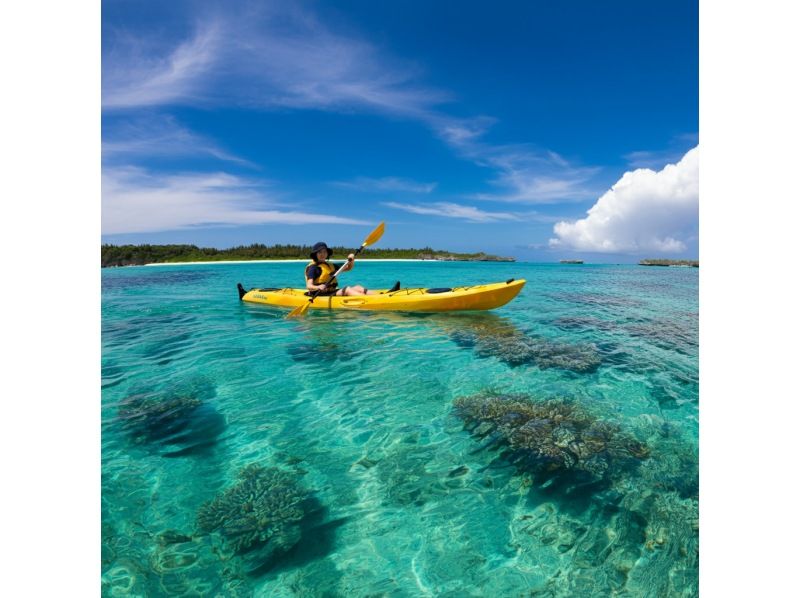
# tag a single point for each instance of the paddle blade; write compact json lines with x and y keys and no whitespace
{"x":375,"y":235}
{"x":300,"y":310}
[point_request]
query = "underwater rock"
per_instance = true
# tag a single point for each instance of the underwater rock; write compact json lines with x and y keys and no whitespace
{"x":645,"y":546}
{"x":190,"y":568}
{"x":404,"y":477}
{"x":260,"y":514}
{"x":599,"y":300}
{"x":324,"y":352}
{"x":458,"y":471}
{"x":673,"y":466}
{"x":551,"y":437}
{"x":668,"y":565}
{"x":583,"y":323}
{"x":122,"y":579}
{"x":172,"y":536}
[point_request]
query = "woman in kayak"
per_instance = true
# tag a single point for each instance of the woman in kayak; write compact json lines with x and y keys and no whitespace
{"x":319,"y":271}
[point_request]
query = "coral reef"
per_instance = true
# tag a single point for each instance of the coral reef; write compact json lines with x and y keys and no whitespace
{"x":501,"y":339}
{"x":148,"y":417}
{"x":178,"y":415}
{"x":550,"y":437}
{"x":678,"y":334}
{"x":261,"y":512}
{"x":599,"y":300}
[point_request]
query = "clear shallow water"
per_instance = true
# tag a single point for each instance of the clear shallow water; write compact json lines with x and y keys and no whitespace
{"x":403,"y":499}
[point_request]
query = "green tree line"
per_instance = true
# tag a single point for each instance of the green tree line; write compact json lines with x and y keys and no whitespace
{"x":137,"y":255}
{"x":666,"y":262}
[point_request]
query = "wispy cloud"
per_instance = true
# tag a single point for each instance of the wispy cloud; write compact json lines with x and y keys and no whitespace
{"x":135,"y":74}
{"x":657,"y":159}
{"x":136,"y":200}
{"x":386,"y":184}
{"x":453,"y":210}
{"x":524,"y":173}
{"x":159,"y":136}
{"x":527,"y":175}
{"x":282,"y":56}
{"x":266,"y":56}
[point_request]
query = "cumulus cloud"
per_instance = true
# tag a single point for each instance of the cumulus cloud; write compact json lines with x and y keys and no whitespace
{"x":644,"y":211}
{"x":135,"y":200}
{"x":452,"y":210}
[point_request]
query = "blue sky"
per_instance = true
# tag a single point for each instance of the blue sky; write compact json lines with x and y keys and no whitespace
{"x":542,"y":130}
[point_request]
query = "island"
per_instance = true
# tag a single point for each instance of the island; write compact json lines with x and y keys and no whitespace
{"x":140,"y":255}
{"x":571,"y":262}
{"x":663,"y":262}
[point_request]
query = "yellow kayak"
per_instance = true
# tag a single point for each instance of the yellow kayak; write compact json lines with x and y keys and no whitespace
{"x":482,"y":296}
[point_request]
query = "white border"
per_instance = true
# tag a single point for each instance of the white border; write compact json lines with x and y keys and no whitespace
{"x":50,"y":53}
{"x":749,"y":164}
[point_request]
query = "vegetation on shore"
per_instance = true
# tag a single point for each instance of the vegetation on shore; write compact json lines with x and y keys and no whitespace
{"x":662,"y":262}
{"x":138,"y":255}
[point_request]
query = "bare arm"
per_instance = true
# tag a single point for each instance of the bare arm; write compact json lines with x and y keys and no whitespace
{"x":310,"y":286}
{"x":314,"y":287}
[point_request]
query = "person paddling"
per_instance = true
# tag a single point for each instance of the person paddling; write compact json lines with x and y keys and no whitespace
{"x":319,"y":272}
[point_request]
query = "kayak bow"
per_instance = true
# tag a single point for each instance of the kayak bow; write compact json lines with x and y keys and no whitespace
{"x":476,"y":297}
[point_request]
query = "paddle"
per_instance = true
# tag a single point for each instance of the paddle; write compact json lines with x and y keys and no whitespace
{"x":373,"y":237}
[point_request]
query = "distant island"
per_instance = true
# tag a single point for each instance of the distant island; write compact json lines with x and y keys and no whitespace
{"x":659,"y":262}
{"x":139,"y":255}
{"x":571,"y":262}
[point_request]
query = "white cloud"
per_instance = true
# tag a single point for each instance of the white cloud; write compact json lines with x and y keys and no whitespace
{"x":133,"y":76}
{"x":280,"y":55}
{"x":159,"y":136}
{"x":386,"y":184}
{"x":644,"y":211}
{"x":525,"y":174}
{"x":135,"y":201}
{"x":452,"y":210}
{"x":656,"y":159}
{"x":266,"y":56}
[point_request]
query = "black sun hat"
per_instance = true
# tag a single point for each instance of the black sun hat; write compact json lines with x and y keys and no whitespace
{"x":319,"y":247}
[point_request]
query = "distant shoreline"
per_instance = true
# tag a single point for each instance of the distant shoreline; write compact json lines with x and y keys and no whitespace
{"x":672,"y":263}
{"x":144,"y":255}
{"x":280,"y":262}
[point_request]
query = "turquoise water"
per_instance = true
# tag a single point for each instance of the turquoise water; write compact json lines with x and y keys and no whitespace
{"x":378,"y":485}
